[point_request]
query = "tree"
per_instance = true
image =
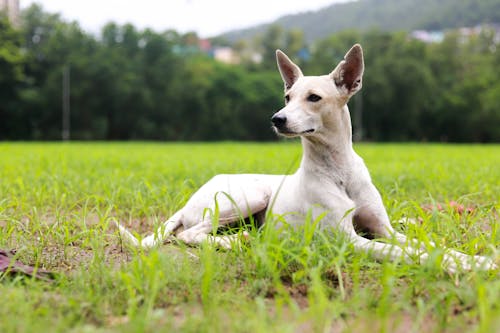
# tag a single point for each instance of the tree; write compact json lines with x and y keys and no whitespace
{"x":272,"y":39}
{"x":139,"y":84}
{"x":13,"y":124}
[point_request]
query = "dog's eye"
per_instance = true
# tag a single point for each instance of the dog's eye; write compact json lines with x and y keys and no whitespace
{"x":287,"y":98}
{"x":313,"y":98}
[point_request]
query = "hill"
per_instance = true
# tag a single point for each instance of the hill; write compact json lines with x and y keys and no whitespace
{"x":390,"y":15}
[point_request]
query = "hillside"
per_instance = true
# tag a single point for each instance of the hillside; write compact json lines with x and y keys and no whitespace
{"x":388,"y":15}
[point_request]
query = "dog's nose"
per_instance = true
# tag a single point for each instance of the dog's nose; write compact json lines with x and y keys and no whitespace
{"x":278,"y":120}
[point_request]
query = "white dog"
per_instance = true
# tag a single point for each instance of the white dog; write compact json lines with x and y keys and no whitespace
{"x":332,"y":179}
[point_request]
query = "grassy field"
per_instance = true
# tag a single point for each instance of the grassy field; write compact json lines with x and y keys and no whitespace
{"x":57,"y":202}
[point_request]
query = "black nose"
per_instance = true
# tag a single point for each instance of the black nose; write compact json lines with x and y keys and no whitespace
{"x":278,"y":120}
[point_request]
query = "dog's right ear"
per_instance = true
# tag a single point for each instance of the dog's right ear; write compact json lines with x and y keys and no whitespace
{"x":288,"y":70}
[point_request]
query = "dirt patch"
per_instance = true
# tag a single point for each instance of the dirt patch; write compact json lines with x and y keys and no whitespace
{"x":40,"y":242}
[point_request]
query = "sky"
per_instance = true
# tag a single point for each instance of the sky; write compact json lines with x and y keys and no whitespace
{"x":207,"y":17}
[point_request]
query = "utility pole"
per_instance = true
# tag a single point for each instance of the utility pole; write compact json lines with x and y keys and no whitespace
{"x":358,"y":134}
{"x":66,"y":110}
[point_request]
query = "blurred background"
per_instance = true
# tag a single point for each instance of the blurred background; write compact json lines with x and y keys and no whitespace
{"x":201,"y":70}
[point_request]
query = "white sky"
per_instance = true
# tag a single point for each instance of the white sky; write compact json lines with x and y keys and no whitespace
{"x":207,"y":17}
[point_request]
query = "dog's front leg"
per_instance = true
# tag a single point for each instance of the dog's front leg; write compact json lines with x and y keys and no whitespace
{"x":409,"y":251}
{"x":371,"y":215}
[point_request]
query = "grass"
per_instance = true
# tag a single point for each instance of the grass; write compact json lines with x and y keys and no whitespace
{"x":57,"y":201}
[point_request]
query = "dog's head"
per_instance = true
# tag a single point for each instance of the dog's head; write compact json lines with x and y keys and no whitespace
{"x":313,"y":102}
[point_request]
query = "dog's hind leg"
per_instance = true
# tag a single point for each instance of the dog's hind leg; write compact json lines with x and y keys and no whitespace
{"x":226,"y":209}
{"x":157,"y":238}
{"x":222,"y":200}
{"x":163,"y":232}
{"x":202,"y":232}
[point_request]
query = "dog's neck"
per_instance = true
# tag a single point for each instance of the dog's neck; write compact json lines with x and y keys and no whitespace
{"x":331,"y":150}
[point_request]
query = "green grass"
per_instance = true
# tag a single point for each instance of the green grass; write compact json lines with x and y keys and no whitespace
{"x":57,"y":201}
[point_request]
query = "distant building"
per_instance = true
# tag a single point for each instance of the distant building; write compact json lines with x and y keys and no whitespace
{"x":12,"y":8}
{"x":490,"y":29}
{"x":226,"y":54}
{"x":465,"y":33}
{"x":205,"y":45}
{"x":428,"y":36}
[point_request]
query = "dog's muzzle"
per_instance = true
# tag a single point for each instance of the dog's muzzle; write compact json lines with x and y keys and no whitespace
{"x":280,"y":125}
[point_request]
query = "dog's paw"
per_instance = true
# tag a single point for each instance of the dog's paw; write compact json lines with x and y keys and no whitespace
{"x":245,"y":236}
{"x":485,"y":263}
{"x":455,"y":264}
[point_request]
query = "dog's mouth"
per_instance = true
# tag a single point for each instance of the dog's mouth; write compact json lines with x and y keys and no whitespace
{"x":286,"y":132}
{"x":308,"y":131}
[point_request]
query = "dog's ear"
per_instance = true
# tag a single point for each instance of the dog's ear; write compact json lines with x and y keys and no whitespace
{"x":348,"y":74}
{"x":288,"y":70}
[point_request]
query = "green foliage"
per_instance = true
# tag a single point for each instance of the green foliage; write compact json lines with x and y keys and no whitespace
{"x":128,"y":84}
{"x":11,"y":77}
{"x":275,"y":37}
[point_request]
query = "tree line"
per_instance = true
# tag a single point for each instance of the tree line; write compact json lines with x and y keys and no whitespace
{"x":130,"y":84}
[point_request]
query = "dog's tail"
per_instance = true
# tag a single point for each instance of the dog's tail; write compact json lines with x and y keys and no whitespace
{"x":155,"y":239}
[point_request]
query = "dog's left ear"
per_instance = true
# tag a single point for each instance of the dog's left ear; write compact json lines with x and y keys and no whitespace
{"x":348,"y":74}
{"x":288,"y":70}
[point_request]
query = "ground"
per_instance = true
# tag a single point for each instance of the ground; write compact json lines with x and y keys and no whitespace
{"x":57,"y":202}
